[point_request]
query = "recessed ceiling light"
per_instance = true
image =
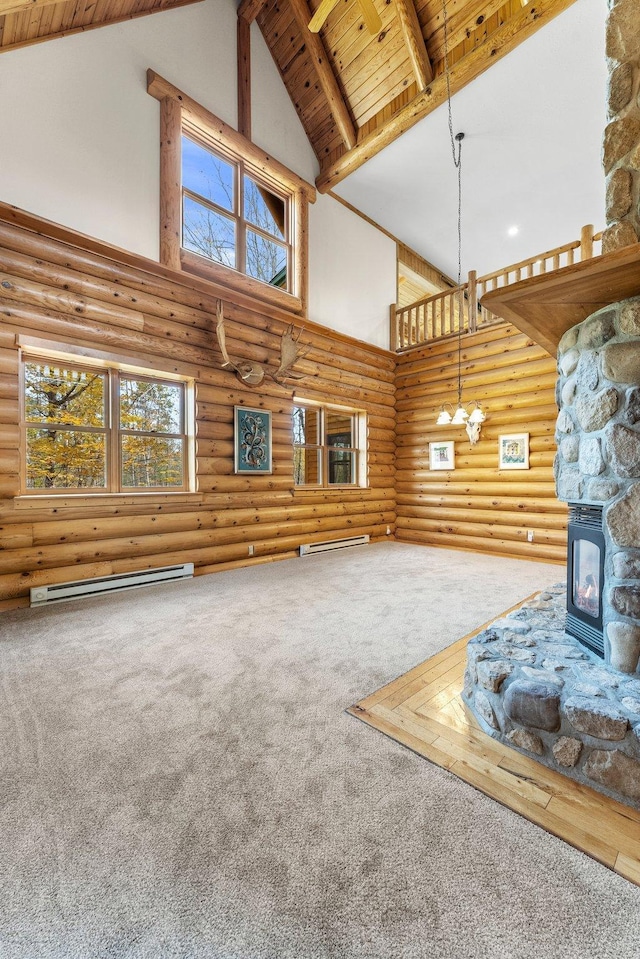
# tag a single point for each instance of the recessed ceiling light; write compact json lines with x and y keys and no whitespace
{"x":513,"y":231}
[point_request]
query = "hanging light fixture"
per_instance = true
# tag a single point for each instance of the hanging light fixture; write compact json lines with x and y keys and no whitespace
{"x":461,"y":416}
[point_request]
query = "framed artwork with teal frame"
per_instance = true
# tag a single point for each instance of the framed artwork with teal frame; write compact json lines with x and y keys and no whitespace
{"x":252,"y":440}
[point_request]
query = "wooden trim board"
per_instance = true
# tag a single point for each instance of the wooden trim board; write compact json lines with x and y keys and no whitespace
{"x":423,"y":710}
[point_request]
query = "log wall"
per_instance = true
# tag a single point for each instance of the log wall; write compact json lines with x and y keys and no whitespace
{"x":477,"y":506}
{"x":64,"y":288}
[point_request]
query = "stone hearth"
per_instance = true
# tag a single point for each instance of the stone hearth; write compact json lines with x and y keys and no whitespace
{"x":536,"y":689}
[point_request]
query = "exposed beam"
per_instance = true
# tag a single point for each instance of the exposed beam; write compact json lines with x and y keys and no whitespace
{"x":21,"y":6}
{"x":468,"y":68}
{"x":243,"y":53}
{"x":325,"y":75}
{"x":249,"y":9}
{"x":414,"y":42}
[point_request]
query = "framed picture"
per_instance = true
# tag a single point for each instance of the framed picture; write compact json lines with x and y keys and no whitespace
{"x":441,"y":456}
{"x":513,"y":451}
{"x":252,"y":440}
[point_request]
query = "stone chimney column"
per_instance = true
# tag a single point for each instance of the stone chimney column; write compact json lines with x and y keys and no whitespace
{"x":621,"y":149}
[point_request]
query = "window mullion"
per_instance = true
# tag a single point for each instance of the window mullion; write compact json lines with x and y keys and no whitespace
{"x":242,"y":226}
{"x":113,"y":423}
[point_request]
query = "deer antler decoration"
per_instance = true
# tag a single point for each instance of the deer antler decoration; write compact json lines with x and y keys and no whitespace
{"x":289,"y":355}
{"x":252,"y":374}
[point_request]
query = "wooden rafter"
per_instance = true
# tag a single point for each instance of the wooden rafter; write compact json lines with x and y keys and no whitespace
{"x":249,"y":9}
{"x":468,"y":68}
{"x":414,"y":42}
{"x":244,"y":77}
{"x":325,"y":75}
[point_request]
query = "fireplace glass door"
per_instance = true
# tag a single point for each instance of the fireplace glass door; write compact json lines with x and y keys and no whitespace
{"x":586,"y":577}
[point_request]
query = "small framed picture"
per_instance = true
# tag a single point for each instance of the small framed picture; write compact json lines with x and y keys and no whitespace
{"x":252,"y":440}
{"x":441,"y":456}
{"x":513,"y":451}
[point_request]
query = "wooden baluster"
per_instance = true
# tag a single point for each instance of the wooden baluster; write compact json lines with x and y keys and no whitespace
{"x":586,"y":242}
{"x":472,"y":300}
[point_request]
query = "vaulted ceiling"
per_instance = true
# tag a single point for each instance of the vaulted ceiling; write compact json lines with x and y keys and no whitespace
{"x":356,"y":92}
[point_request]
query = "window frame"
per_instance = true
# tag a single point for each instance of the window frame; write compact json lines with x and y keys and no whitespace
{"x":180,"y":114}
{"x":113,"y":372}
{"x":238,"y":215}
{"x":359,"y":447}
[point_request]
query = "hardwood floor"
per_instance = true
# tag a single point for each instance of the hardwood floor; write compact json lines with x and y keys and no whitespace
{"x":424,"y":711}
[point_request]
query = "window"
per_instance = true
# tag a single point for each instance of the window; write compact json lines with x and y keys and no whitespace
{"x":230,"y":212}
{"x":101,"y":429}
{"x":230,"y":217}
{"x":328,"y":446}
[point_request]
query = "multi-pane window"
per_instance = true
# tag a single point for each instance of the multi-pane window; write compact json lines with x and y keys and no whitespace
{"x":231,"y":217}
{"x":327,"y":446}
{"x":101,"y":429}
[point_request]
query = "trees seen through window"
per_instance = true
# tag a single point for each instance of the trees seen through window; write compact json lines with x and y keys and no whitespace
{"x":101,"y":429}
{"x":230,"y":217}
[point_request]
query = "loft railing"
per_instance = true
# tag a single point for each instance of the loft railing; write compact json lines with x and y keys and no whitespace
{"x":458,"y":310}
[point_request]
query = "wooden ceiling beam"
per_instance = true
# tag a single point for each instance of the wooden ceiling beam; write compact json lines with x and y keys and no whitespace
{"x":468,"y":68}
{"x":243,"y":52}
{"x":249,"y":9}
{"x":414,"y":42}
{"x":326,"y":77}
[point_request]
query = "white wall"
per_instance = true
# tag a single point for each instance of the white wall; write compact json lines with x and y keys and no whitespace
{"x":352,"y":272}
{"x":81,"y":144}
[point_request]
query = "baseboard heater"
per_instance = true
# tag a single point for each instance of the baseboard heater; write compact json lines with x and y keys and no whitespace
{"x":308,"y":549}
{"x":43,"y":595}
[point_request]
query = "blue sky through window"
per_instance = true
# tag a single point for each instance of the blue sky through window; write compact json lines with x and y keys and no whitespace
{"x":208,"y":175}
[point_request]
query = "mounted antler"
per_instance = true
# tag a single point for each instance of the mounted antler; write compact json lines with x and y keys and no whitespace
{"x":252,"y":374}
{"x":289,"y":355}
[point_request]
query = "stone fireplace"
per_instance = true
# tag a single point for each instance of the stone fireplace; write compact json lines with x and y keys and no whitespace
{"x":559,"y":678}
{"x":598,"y":466}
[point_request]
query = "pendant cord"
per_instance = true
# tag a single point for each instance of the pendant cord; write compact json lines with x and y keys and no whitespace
{"x":457,"y":162}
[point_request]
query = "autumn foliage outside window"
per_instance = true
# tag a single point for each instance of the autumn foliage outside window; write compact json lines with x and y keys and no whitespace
{"x":101,"y":430}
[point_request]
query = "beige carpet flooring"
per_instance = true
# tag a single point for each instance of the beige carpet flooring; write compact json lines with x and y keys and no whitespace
{"x":178,"y":778}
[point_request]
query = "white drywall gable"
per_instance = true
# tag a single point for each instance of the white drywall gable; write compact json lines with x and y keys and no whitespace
{"x":350,"y":279}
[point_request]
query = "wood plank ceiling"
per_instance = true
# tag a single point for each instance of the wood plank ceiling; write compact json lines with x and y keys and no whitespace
{"x":387,"y":82}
